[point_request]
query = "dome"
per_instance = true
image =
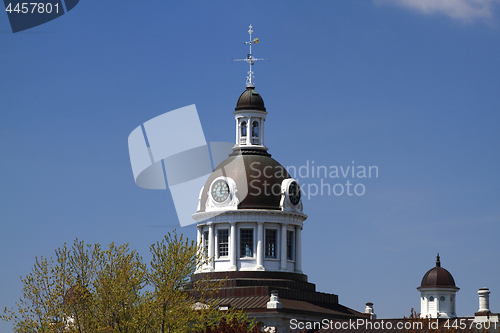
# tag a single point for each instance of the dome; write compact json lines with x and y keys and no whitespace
{"x":250,"y":100}
{"x":261,"y":175}
{"x":438,"y":277}
{"x":77,"y":294}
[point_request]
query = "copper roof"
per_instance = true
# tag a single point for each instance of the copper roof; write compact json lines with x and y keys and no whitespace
{"x":246,"y":303}
{"x":259,"y":304}
{"x":261,"y":175}
{"x":438,"y":277}
{"x":250,"y":100}
{"x":250,"y":291}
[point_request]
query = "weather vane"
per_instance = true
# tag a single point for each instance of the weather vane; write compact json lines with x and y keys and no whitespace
{"x":250,"y":59}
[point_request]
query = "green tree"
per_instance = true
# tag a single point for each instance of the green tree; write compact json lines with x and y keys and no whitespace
{"x":87,"y":289}
{"x":80,"y":268}
{"x":84,"y":289}
{"x":232,"y":326}
{"x":119,"y":279}
{"x":174,"y":260}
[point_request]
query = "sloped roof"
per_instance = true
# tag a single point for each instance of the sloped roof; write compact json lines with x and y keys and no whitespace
{"x":259,"y":304}
{"x":438,"y":277}
{"x":250,"y":100}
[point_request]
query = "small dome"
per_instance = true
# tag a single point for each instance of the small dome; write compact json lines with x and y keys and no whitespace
{"x":262,"y":176}
{"x":438,"y":277}
{"x":250,"y":100}
{"x":76,"y":295}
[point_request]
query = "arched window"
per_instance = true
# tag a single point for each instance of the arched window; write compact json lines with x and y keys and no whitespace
{"x":255,"y":129}
{"x":243,"y":128}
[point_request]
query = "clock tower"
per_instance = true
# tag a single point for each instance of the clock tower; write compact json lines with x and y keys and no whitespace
{"x":249,"y":223}
{"x":249,"y":215}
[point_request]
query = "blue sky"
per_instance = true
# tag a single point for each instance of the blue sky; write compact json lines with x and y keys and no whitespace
{"x":411,"y":87}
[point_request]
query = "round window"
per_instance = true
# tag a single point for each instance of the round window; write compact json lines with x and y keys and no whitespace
{"x":431,"y":299}
{"x":442,"y":298}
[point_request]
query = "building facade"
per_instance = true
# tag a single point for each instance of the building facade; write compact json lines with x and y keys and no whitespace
{"x":249,"y":222}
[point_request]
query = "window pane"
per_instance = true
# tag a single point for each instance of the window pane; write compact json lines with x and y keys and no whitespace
{"x":223,"y":238}
{"x":289,"y":245}
{"x":246,"y":243}
{"x":271,"y":240}
{"x":244,"y":128}
{"x":255,"y":129}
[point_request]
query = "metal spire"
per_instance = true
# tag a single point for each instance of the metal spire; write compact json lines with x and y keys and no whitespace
{"x":250,"y":59}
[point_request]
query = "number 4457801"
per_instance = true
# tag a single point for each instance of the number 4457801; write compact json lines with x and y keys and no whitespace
{"x":36,"y":7}
{"x":462,"y":324}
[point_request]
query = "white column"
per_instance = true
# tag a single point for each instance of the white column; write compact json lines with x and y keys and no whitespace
{"x":232,"y":247}
{"x":298,"y":249}
{"x":438,"y":303}
{"x":262,"y":132}
{"x":238,"y":131}
{"x":283,"y":248}
{"x":425,"y":310}
{"x":199,"y":240}
{"x":211,"y":246}
{"x":260,"y":246}
{"x":249,"y":131}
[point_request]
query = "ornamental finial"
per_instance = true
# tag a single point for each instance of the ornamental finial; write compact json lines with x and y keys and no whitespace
{"x":438,"y":262}
{"x":250,"y":59}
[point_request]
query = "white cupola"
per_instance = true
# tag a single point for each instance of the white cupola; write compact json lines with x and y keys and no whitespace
{"x":437,"y":293}
{"x":250,"y":115}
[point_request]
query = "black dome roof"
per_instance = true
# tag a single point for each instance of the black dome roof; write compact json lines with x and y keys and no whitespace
{"x":250,"y":100}
{"x":438,"y":277}
{"x":262,"y":175}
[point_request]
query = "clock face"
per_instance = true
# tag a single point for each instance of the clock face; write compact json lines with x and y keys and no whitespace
{"x":220,"y":191}
{"x":294,"y":192}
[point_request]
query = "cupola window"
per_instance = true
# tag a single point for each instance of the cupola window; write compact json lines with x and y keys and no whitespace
{"x":255,"y":133}
{"x":255,"y":129}
{"x":243,"y":128}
